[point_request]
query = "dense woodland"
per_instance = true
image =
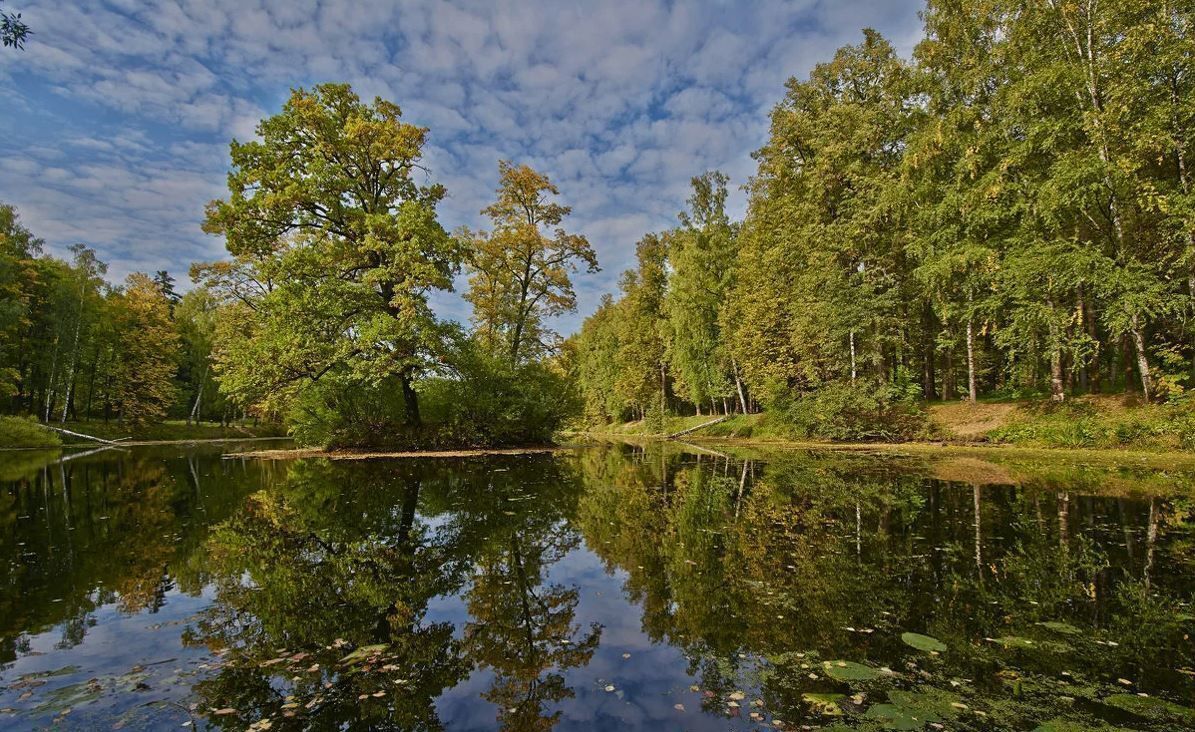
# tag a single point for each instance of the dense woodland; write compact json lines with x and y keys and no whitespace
{"x":1008,"y":213}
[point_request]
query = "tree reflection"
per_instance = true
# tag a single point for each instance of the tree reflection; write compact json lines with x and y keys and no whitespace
{"x":826,"y":556}
{"x":325,"y":582}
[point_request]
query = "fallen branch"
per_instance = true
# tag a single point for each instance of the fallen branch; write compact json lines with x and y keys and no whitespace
{"x":86,"y":437}
{"x":701,"y":426}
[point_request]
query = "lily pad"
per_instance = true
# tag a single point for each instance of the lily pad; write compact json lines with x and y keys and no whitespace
{"x":824,"y":704}
{"x":850,"y":671}
{"x":1151,"y":707}
{"x":894,"y":717}
{"x":69,"y":697}
{"x":907,"y":710}
{"x":923,"y":642}
{"x":1062,"y":725}
{"x":1059,"y":627}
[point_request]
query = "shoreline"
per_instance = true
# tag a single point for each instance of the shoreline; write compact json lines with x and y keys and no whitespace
{"x":140,"y":443}
{"x":315,"y":452}
{"x":923,"y":448}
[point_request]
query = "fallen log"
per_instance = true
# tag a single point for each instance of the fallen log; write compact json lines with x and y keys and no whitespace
{"x":86,"y":437}
{"x":701,"y":426}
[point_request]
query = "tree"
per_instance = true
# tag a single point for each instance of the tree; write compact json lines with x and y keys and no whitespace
{"x":144,"y":375}
{"x":86,"y":280}
{"x":520,"y":273}
{"x":823,"y":290}
{"x":703,"y":258}
{"x":18,"y":249}
{"x":13,"y":30}
{"x":326,"y":210}
{"x":642,"y":357}
{"x":196,"y":317}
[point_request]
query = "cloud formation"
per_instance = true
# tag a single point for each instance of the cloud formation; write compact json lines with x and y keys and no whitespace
{"x":119,"y":112}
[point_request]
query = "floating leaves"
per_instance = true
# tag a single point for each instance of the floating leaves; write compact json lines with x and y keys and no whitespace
{"x":1152,"y":708}
{"x":923,"y":642}
{"x":851,"y":671}
{"x":824,"y":704}
{"x":1060,"y":627}
{"x":908,"y":710}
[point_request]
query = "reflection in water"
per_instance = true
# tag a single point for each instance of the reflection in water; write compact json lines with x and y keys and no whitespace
{"x":607,"y":588}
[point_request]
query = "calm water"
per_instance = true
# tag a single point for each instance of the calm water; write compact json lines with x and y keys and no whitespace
{"x":607,"y":588}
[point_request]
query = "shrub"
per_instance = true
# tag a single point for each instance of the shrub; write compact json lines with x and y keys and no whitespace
{"x":487,"y":402}
{"x":478,"y":400}
{"x":26,"y":432}
{"x":851,"y":412}
{"x":334,"y":413}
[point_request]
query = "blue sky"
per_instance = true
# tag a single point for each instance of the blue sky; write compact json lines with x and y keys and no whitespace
{"x":117,"y":116}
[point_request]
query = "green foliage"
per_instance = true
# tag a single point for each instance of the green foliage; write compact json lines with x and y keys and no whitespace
{"x":487,"y":401}
{"x":339,"y":413}
{"x":1009,"y":211}
{"x":25,"y":432}
{"x":480,"y":400}
{"x":858,"y":412}
{"x":1080,"y":424}
{"x":335,"y":249}
{"x":13,"y":31}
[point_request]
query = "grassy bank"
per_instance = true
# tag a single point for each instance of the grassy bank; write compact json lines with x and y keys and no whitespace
{"x":17,"y":432}
{"x":1104,"y":422}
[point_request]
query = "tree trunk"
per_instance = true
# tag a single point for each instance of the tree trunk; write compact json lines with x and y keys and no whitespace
{"x":194,"y":415}
{"x":1057,"y":391}
{"x":972,"y":392}
{"x":410,"y":401}
{"x":738,"y":384}
{"x":854,"y":365}
{"x":50,"y":383}
{"x":948,"y":376}
{"x":1142,"y":358}
{"x":663,"y":391}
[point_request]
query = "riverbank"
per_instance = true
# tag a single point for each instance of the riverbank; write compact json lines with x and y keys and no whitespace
{"x":24,"y":433}
{"x":299,"y":453}
{"x":1097,"y":422}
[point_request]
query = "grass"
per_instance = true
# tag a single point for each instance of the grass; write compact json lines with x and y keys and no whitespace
{"x":1095,"y":422}
{"x":1100,"y":423}
{"x":25,"y":432}
{"x":172,"y":430}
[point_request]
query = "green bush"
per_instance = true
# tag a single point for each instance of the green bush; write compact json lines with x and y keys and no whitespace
{"x":488,"y":402}
{"x":334,"y":413}
{"x":25,"y":432}
{"x":479,"y":400}
{"x":861,"y":412}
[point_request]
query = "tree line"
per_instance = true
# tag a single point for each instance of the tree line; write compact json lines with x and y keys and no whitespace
{"x":74,"y":347}
{"x":1007,"y":213}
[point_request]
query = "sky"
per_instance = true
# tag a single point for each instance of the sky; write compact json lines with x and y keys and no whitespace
{"x":116,"y":118}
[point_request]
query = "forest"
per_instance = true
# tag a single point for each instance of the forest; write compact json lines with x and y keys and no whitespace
{"x":1006,"y":215}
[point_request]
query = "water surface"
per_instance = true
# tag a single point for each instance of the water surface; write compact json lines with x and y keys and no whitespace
{"x":610,"y":587}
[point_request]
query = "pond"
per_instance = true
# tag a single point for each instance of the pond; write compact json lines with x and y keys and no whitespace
{"x":608,"y":587}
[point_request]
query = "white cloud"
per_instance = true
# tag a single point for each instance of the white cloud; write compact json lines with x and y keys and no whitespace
{"x":119,"y":112}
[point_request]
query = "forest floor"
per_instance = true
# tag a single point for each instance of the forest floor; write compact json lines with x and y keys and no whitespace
{"x":1102,"y":422}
